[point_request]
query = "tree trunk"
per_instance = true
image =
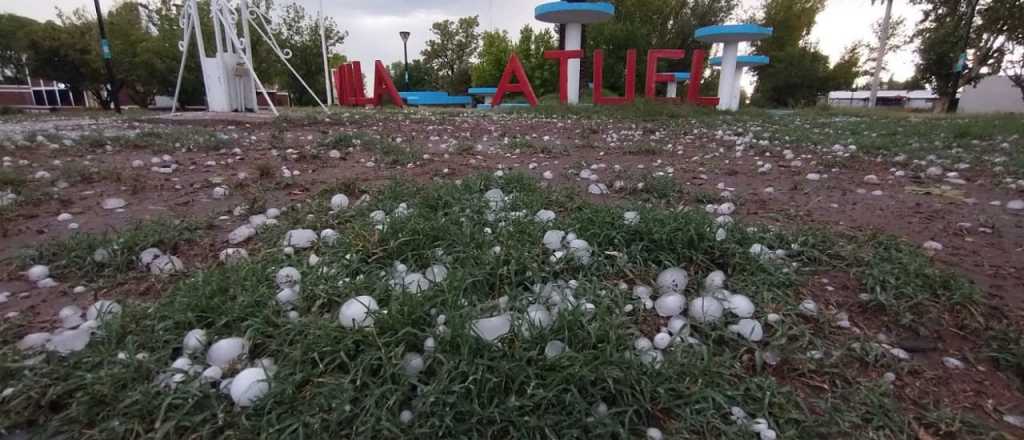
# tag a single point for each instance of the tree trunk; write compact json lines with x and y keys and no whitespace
{"x":883,"y":43}
{"x":942,"y":104}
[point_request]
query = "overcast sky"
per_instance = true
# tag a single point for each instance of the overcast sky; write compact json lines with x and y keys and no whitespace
{"x":374,"y":24}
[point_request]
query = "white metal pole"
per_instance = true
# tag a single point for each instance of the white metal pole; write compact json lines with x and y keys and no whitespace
{"x":670,"y":89}
{"x":218,"y":33}
{"x":250,"y":91}
{"x":574,"y":41}
{"x":56,"y":91}
{"x":737,"y":88}
{"x":323,"y":48}
{"x":184,"y":56}
{"x":727,"y":78}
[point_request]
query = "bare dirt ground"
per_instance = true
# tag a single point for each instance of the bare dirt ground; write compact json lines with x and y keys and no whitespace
{"x":983,"y":241}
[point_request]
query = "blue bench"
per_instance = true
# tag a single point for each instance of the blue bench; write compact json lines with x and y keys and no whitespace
{"x":435,"y":98}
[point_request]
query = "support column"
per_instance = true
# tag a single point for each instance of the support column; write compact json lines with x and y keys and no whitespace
{"x":727,"y":76}
{"x":574,"y":41}
{"x":737,"y":88}
{"x":670,"y":91}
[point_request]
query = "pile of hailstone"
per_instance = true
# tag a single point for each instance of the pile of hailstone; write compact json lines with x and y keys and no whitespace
{"x":562,"y":244}
{"x":710,"y":307}
{"x":552,"y":299}
{"x":226,"y":366}
{"x":74,"y":332}
{"x":253,"y":225}
{"x":402,"y":279}
{"x":40,"y":276}
{"x":154,"y":261}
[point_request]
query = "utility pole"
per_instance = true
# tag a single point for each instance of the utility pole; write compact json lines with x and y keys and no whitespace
{"x":883,"y":44}
{"x":405,"y":46}
{"x":112,"y":89}
{"x":961,"y":63}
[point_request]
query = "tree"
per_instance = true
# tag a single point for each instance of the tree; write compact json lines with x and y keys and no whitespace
{"x":652,"y":24}
{"x":495,"y":49}
{"x":799,"y":72}
{"x":68,"y":52}
{"x":13,"y":53}
{"x":421,"y":77}
{"x":977,"y":32}
{"x":299,"y":33}
{"x":450,"y":53}
{"x":883,"y":43}
{"x":845,"y":72}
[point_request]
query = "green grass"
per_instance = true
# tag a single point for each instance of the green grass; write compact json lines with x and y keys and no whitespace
{"x":338,"y":383}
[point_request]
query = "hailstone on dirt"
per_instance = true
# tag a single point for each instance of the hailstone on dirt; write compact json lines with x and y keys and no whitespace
{"x":70,"y":316}
{"x":300,"y":238}
{"x":358,"y":312}
{"x":233,"y":256}
{"x":166,"y":265}
{"x":241,"y":233}
{"x":37,"y":273}
{"x":249,"y":386}
{"x":809,"y":307}
{"x":705,"y":309}
{"x":113,"y":203}
{"x":227,"y":352}
{"x":70,"y":341}
{"x":748,"y":328}
{"x":492,"y":328}
{"x":102,"y":310}
{"x":194,"y":342}
{"x":33,"y":341}
{"x":339,"y":202}
{"x":672,"y":280}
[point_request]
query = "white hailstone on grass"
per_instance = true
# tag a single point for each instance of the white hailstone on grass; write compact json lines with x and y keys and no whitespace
{"x":220,"y":192}
{"x":597,"y":188}
{"x":721,"y":234}
{"x":272,"y":213}
{"x":554,"y":349}
{"x":405,"y":417}
{"x":339,"y":202}
{"x":495,"y":198}
{"x":599,"y":410}
{"x":47,"y":283}
{"x":580,"y":250}
{"x":548,"y":175}
{"x":70,"y":341}
{"x":725,"y":208}
{"x":228,"y":352}
{"x":233,"y":256}
{"x":166,"y":265}
{"x":211,"y":374}
{"x":654,"y":434}
{"x":899,"y":353}
{"x":313,"y":260}
{"x":492,"y":328}
{"x":412,"y":364}
{"x":641,"y":291}
{"x":37,"y":273}
{"x":329,"y":236}
{"x":672,"y":280}
{"x":429,"y":345}
{"x":714,"y":281}
{"x":287,"y":297}
{"x":748,"y":328}
{"x":705,"y":309}
{"x":933,"y":171}
{"x":70,"y":316}
{"x":415,"y":283}
{"x":241,"y":233}
{"x":148,"y":256}
{"x":182,"y":364}
{"x":932,"y":246}
{"x":631,"y":218}
{"x":553,"y":239}
{"x":292,"y":315}
{"x":436,"y":273}
{"x":102,"y":310}
{"x":809,"y":307}
{"x":101,"y":255}
{"x":739,"y":305}
{"x":538,"y":316}
{"x":677,"y":325}
{"x":300,"y":238}
{"x":194,"y":342}
{"x":662,"y":340}
{"x":113,"y":203}
{"x":670,"y":305}
{"x":544,"y":216}
{"x":258,"y":220}
{"x":33,"y":341}
{"x":1015,"y":205}
{"x":358,"y":312}
{"x":378,"y":217}
{"x":64,"y":217}
{"x":249,"y":386}
{"x":761,"y":251}
{"x":288,"y":277}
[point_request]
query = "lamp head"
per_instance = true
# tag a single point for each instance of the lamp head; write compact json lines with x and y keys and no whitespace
{"x":405,"y":36}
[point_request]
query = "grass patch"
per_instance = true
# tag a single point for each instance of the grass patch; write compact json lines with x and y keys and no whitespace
{"x":1005,"y":347}
{"x":334,"y":382}
{"x":394,"y":153}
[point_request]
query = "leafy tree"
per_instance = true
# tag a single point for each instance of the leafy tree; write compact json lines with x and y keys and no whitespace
{"x":848,"y":69}
{"x":299,"y":32}
{"x":67,"y":51}
{"x":420,"y":75}
{"x":945,"y":28}
{"x":652,"y":24}
{"x":799,"y":72}
{"x":495,"y":49}
{"x":531,"y":46}
{"x":450,"y":53}
{"x":13,"y":53}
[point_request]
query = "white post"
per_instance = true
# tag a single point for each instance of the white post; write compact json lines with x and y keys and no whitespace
{"x":323,"y":48}
{"x":737,"y":88}
{"x":727,"y":76}
{"x":56,"y":91}
{"x":670,"y":91}
{"x":883,"y":43}
{"x":250,"y":91}
{"x":574,"y":41}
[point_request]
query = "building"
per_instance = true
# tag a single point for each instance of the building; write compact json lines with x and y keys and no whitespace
{"x":993,"y":94}
{"x":905,"y":99}
{"x":40,"y":93}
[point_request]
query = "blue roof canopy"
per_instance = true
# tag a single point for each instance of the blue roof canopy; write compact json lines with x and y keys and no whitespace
{"x":731,"y":33}
{"x":743,"y":60}
{"x":582,"y":12}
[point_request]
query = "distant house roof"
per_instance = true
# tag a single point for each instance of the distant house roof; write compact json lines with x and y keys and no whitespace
{"x":866,"y":94}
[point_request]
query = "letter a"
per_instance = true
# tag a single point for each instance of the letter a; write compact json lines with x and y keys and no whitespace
{"x":382,"y":84}
{"x":514,"y":68}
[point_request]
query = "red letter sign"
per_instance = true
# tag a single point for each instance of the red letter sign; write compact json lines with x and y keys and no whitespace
{"x":382,"y":84}
{"x":514,"y":67}
{"x":693,"y":88}
{"x":563,"y":57}
{"x":653,"y":76}
{"x":630,"y":95}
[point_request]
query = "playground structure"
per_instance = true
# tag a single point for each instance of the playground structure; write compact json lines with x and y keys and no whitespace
{"x":229,"y":76}
{"x":730,"y":35}
{"x":574,"y":15}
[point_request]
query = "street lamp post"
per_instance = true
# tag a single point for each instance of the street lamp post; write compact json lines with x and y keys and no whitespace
{"x":106,"y":54}
{"x":405,"y":46}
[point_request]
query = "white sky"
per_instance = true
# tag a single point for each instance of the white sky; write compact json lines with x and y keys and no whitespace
{"x":374,"y":24}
